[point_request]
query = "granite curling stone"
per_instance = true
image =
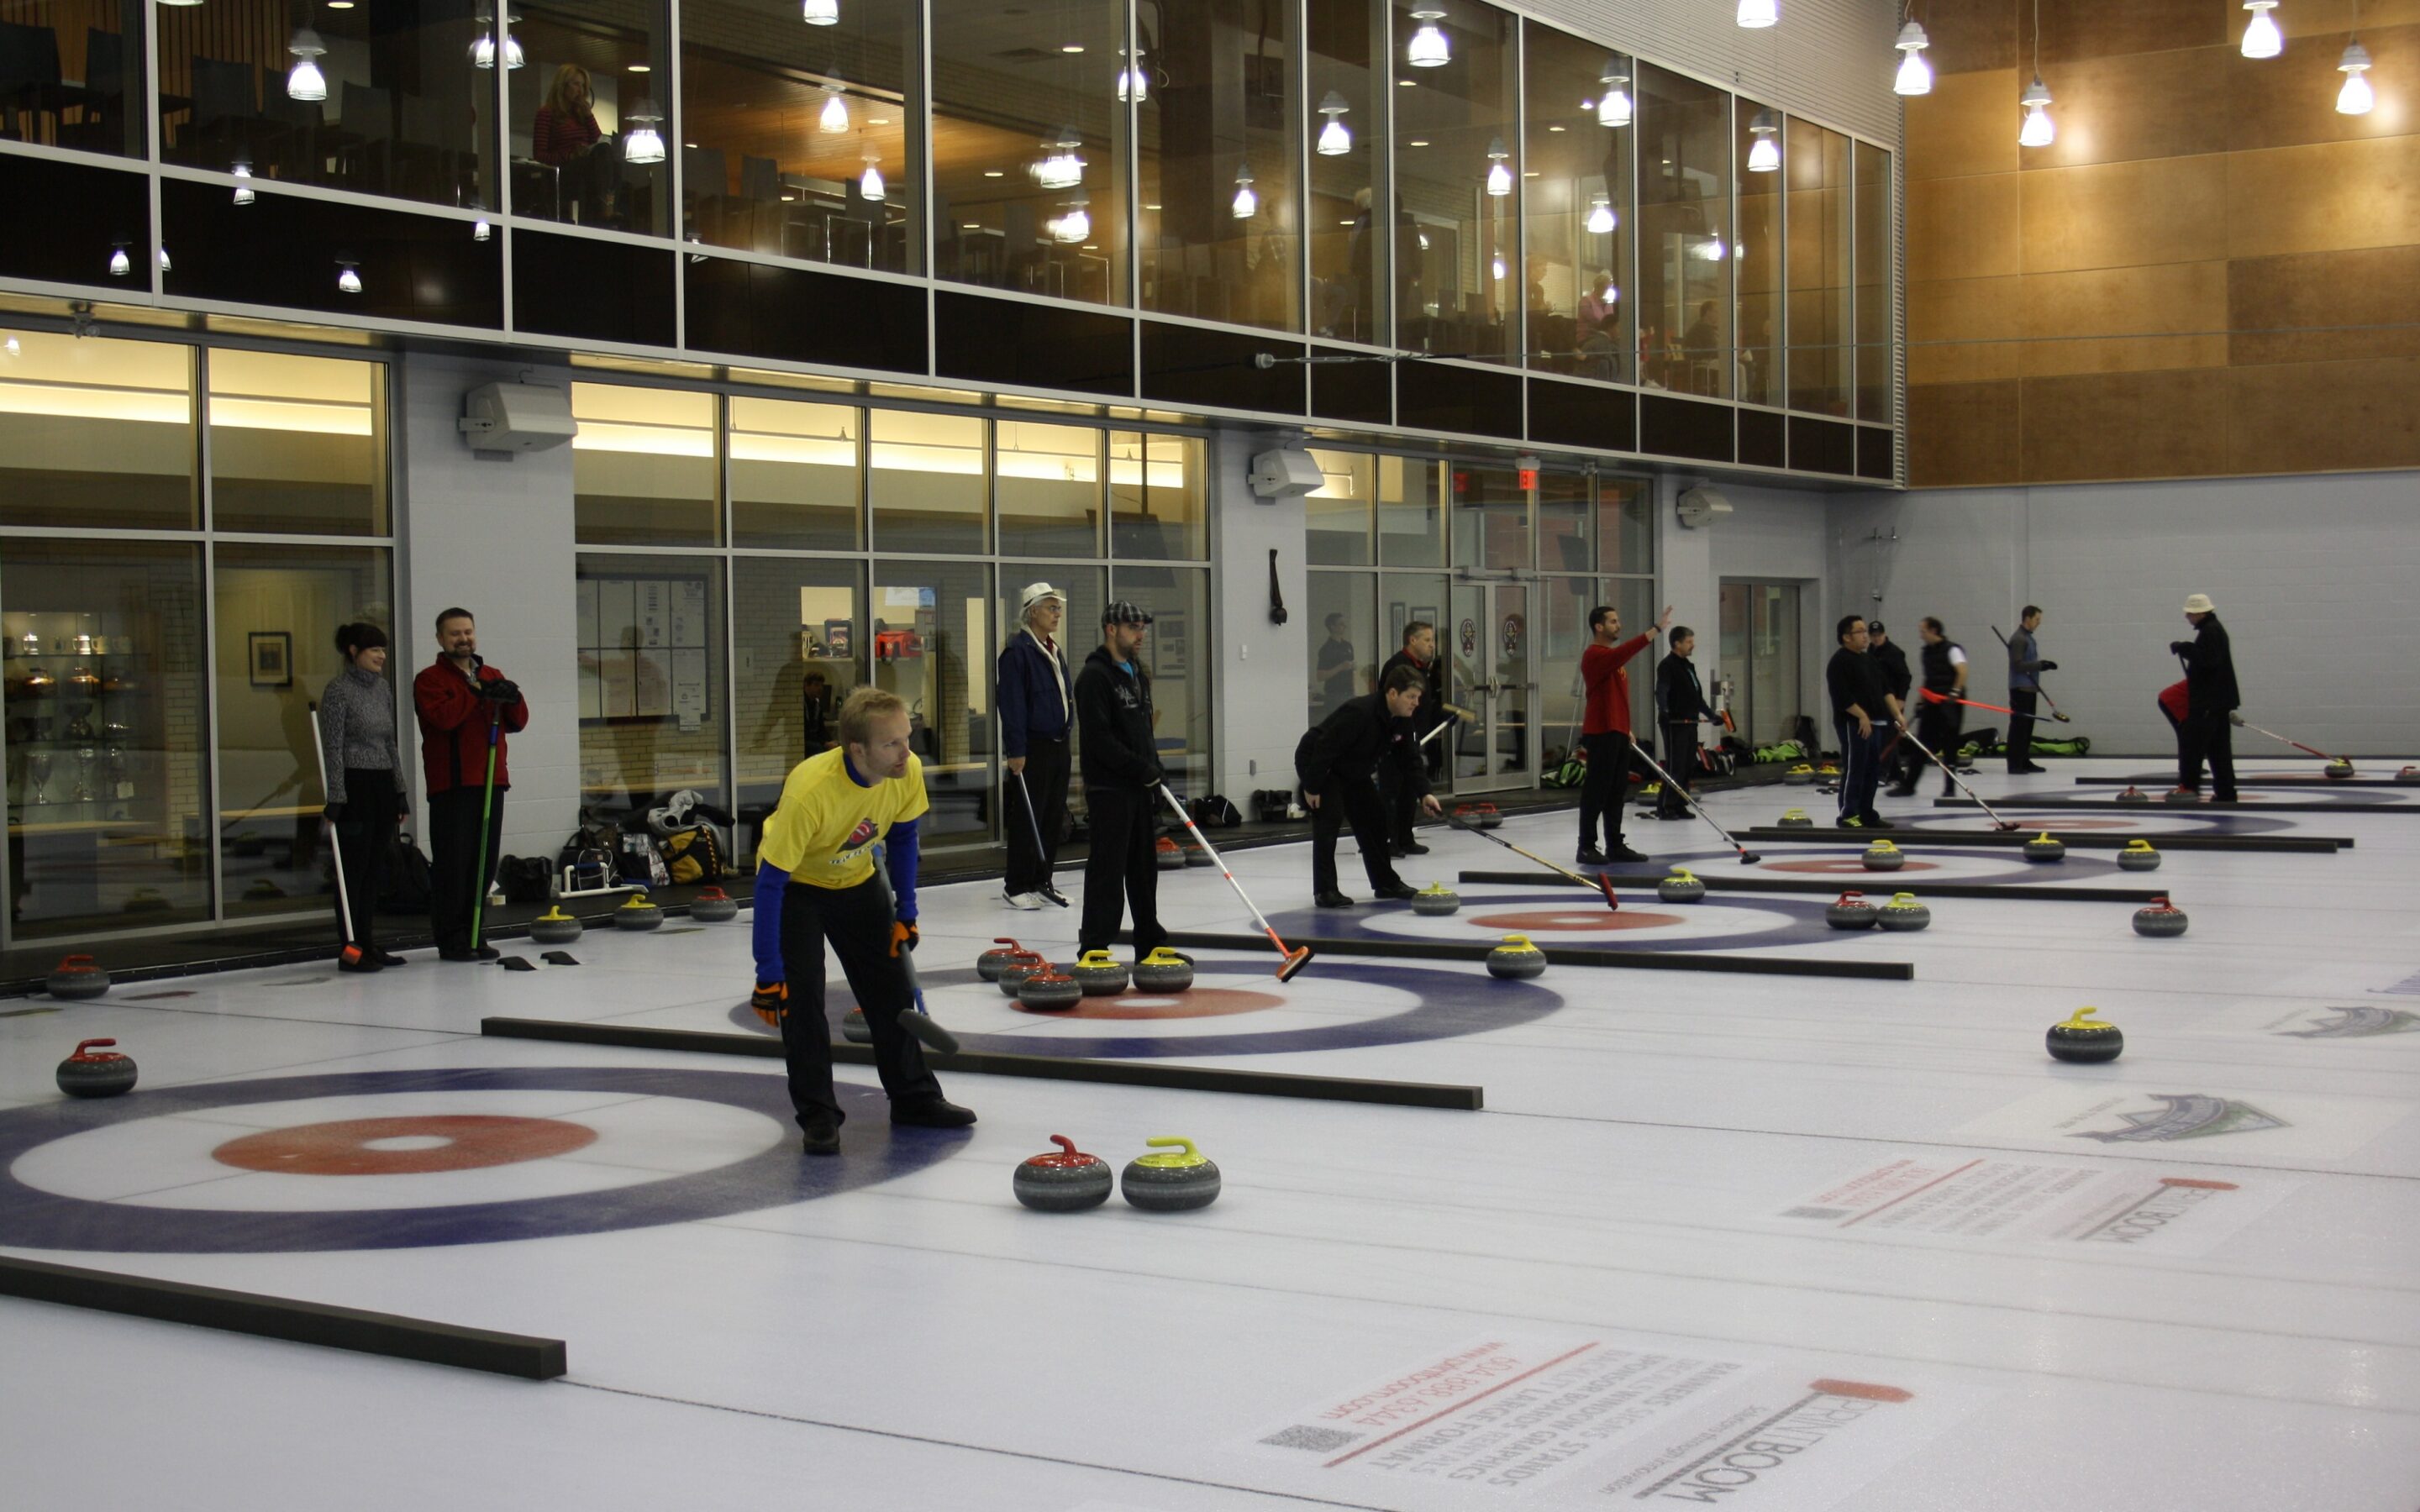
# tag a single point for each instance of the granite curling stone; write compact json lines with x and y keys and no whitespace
{"x":2044,"y":847}
{"x":1011,"y":975}
{"x":1198,"y":855}
{"x":1168,"y":855}
{"x":1801,"y":776}
{"x":1796,"y":819}
{"x":713,"y":906}
{"x":2084,"y":1038}
{"x":1849,"y":911}
{"x":2181,"y":797}
{"x":1682,"y":886}
{"x":2160,"y":919}
{"x":2339,"y":769}
{"x":638,"y":913}
{"x":77,"y":977}
{"x":1882,"y":856}
{"x":1488,"y":817}
{"x":1049,"y":989}
{"x":2133,"y":795}
{"x":1515,"y":960}
{"x":1177,"y":1179}
{"x":1902,"y":914}
{"x":96,"y":1070}
{"x":1163,"y":971}
{"x":2409,"y":777}
{"x":1435,"y":901}
{"x":555,"y":927}
{"x":853,"y":1027}
{"x":1064,"y":1179}
{"x":2139,"y":856}
{"x":988,"y":965}
{"x":1099,"y":973}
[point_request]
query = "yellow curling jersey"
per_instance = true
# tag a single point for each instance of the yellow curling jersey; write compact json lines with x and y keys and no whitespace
{"x":822,"y":831}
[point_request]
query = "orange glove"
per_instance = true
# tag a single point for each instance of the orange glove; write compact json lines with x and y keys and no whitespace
{"x":903,"y":933}
{"x":771,"y":1001}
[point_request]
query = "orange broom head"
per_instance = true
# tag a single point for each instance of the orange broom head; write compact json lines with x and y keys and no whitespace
{"x":1295,"y":960}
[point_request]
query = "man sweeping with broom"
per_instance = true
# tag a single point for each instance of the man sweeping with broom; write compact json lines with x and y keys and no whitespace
{"x":466,"y":709}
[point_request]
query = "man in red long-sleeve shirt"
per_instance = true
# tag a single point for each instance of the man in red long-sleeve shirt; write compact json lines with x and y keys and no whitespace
{"x":463,"y":705}
{"x":1604,"y":731}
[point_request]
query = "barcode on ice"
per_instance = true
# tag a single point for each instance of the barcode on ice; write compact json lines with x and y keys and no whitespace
{"x":1819,"y":1212}
{"x":1318,"y":1440}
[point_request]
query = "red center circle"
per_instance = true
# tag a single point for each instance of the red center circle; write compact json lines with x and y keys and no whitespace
{"x":342,"y":1148}
{"x":1194,"y":1003}
{"x":1843,"y":865}
{"x":1573,"y":921}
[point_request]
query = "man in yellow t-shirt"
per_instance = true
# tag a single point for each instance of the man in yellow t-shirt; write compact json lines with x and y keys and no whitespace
{"x":815,"y":881}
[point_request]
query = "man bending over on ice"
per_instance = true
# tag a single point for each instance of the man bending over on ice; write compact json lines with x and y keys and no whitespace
{"x":1338,"y":762}
{"x":815,"y":881}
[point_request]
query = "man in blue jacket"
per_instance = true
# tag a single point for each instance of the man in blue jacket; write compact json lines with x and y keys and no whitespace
{"x":1037,"y":701}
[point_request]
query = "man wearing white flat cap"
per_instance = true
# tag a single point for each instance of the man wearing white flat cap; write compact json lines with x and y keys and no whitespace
{"x":1037,"y":704}
{"x":2210,"y":699}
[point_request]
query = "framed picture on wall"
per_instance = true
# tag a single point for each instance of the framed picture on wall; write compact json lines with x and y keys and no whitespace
{"x":272,"y":659}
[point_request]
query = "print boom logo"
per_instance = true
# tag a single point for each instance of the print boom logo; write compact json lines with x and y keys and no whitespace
{"x":859,"y":837}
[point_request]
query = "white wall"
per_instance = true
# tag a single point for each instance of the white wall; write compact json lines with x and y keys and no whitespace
{"x":494,"y":536}
{"x":2311,"y":575}
{"x":1258,"y":690}
{"x":1771,"y":534}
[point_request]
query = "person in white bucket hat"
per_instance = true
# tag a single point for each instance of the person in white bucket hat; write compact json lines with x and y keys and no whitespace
{"x":1037,"y":700}
{"x":2206,"y":733}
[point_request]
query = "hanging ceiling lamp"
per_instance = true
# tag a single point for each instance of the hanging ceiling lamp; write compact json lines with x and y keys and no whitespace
{"x":833,"y":118}
{"x":480,"y":229}
{"x":242,"y":170}
{"x":483,"y":51}
{"x":1059,"y":167}
{"x":1764,"y":153}
{"x":2355,"y":98}
{"x":1335,"y":138}
{"x":1601,"y":219}
{"x":349,"y":278}
{"x":1614,"y":108}
{"x":1499,"y":175}
{"x":822,"y":12}
{"x":1915,"y":74}
{"x":1247,"y":203}
{"x":119,"y":263}
{"x":1712,"y":250}
{"x":869,"y":183}
{"x":304,"y":81}
{"x":1134,"y":80}
{"x":2261,"y":38}
{"x":1428,"y":48}
{"x":1076,"y":223}
{"x":1496,"y":265}
{"x":1760,"y":13}
{"x":2038,"y":131}
{"x":643,"y":144}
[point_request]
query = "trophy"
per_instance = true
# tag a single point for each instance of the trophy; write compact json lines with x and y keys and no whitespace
{"x":84,"y":760}
{"x":39,"y":764}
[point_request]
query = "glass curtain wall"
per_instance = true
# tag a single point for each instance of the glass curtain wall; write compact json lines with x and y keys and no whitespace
{"x":1577,"y":144}
{"x":643,"y":466}
{"x":1757,"y":260}
{"x":1684,"y":235}
{"x":1217,"y":140}
{"x":1876,"y":386}
{"x":1031,"y":136}
{"x":1458,"y":181}
{"x":590,"y":113}
{"x":1350,"y":99}
{"x":1820,"y":273}
{"x":652,"y":701}
{"x":804,"y":141}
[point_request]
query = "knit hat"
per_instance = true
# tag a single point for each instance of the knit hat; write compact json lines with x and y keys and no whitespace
{"x":2200,"y":604}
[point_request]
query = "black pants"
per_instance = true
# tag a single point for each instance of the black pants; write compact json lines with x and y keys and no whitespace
{"x":453,"y":861}
{"x":1607,"y":788}
{"x":1397,"y":805}
{"x":1861,"y":767}
{"x":363,"y":837}
{"x":1045,"y":782}
{"x":1123,"y":871}
{"x":2020,"y":728}
{"x":1352,"y":801}
{"x":2207,"y":736}
{"x":857,"y":921}
{"x":1937,"y":725}
{"x":1680,"y":765}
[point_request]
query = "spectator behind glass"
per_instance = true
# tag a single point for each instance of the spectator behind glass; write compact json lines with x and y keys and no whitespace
{"x":564,"y":135}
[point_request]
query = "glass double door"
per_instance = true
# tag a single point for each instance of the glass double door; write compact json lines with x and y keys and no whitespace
{"x":1492,"y":680}
{"x":1761,"y":659}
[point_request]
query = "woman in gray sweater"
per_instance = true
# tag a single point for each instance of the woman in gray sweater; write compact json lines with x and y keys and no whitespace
{"x":364,"y":773}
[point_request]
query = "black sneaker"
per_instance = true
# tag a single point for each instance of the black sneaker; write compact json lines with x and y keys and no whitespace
{"x":385,"y":958}
{"x":365,"y":964}
{"x":1414,"y":848}
{"x":1395,"y":892}
{"x":1590,"y":855}
{"x":461,"y":953}
{"x":1332,"y":898}
{"x":932,"y":1113}
{"x":822,"y":1138}
{"x":1628,"y":854}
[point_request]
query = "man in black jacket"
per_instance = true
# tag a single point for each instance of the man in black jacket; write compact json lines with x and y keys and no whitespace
{"x":1864,"y":713}
{"x":1940,"y":716}
{"x":1122,"y":777}
{"x":2210,"y":699}
{"x":1401,"y":797}
{"x":1680,"y":702}
{"x":1337,"y":762}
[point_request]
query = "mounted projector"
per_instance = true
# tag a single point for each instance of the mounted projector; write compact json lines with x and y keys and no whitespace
{"x":1699,"y":507}
{"x":1283,"y":474}
{"x":517,"y":417}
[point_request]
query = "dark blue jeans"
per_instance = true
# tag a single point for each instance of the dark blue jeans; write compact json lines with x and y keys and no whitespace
{"x":1861,"y":766}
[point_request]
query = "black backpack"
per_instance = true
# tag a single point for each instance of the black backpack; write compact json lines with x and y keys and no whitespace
{"x":407,"y":878}
{"x":527,"y":879}
{"x":1214,"y":813}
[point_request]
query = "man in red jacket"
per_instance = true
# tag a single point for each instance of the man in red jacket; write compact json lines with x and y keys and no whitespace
{"x":1604,"y":731}
{"x":463,"y":705}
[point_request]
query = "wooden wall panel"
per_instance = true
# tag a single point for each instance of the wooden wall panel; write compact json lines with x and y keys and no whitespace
{"x":2290,"y":101}
{"x":2141,"y":105}
{"x":2125,"y":214}
{"x":2317,"y":417}
{"x":2124,"y":426}
{"x":1966,"y":126}
{"x":1963,"y":434}
{"x":1962,"y":228}
{"x":1970,"y":328}
{"x":2322,"y":293}
{"x":2177,"y":297}
{"x":2323,"y":198}
{"x":2072,"y":29}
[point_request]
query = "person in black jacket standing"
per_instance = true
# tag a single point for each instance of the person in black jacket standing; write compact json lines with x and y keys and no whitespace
{"x":1939,"y":718}
{"x":1337,"y":760}
{"x":1122,"y":777}
{"x":1864,"y":712}
{"x":1401,"y":797}
{"x":2025,"y":667}
{"x":1037,"y":706}
{"x":2211,"y":700}
{"x":1680,"y":702}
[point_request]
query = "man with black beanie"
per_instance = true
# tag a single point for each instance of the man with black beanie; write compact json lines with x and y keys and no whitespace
{"x":1864,"y":712}
{"x":1122,"y":777}
{"x":2206,"y":733}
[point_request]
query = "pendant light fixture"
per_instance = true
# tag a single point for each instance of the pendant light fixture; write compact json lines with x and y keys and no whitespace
{"x":1059,"y":167}
{"x":303,"y":81}
{"x":119,"y":263}
{"x":1497,"y":267}
{"x":643,"y":144}
{"x":1601,"y":219}
{"x":1134,"y":80}
{"x":869,"y":184}
{"x":349,"y":278}
{"x":1756,"y":14}
{"x":2037,"y":130}
{"x":1076,"y":223}
{"x":1764,"y":153}
{"x":1428,"y":48}
{"x":1613,"y":109}
{"x":1247,"y":203}
{"x":1335,"y":138}
{"x":2261,"y":38}
{"x":1499,"y":175}
{"x":822,"y":12}
{"x":242,"y":170}
{"x":2355,"y":98}
{"x":483,"y":51}
{"x":833,"y":118}
{"x":1915,"y":74}
{"x":480,"y":228}
{"x":164,"y":266}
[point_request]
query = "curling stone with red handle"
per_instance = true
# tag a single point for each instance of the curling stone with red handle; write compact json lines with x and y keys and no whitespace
{"x":96,"y":1070}
{"x":1064,"y":1180}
